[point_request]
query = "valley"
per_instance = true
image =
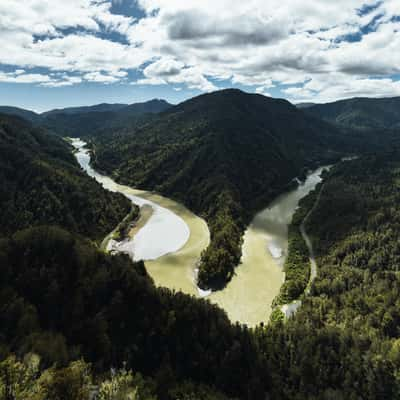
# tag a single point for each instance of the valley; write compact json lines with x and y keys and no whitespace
{"x":248,"y":297}
{"x":199,"y":200}
{"x":232,"y":197}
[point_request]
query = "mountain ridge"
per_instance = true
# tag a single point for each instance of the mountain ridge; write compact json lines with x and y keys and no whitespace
{"x":87,"y":120}
{"x":360,"y":112}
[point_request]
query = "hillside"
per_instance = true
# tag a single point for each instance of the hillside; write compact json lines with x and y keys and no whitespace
{"x":64,"y":300}
{"x":43,"y":184}
{"x":20,"y":112}
{"x":224,"y":155}
{"x":103,"y":107}
{"x":304,"y":105}
{"x":343,"y":341}
{"x":360,"y":113}
{"x":86,"y":121}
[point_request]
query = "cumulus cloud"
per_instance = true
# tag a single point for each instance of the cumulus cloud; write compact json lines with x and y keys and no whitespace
{"x":171,"y":71}
{"x":310,"y":49}
{"x":336,"y":86}
{"x":290,"y":43}
{"x":100,"y":77}
{"x":20,"y":77}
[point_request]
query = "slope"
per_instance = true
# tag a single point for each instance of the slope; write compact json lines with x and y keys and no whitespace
{"x":372,"y":113}
{"x":86,"y":121}
{"x":42,"y":184}
{"x":20,"y":112}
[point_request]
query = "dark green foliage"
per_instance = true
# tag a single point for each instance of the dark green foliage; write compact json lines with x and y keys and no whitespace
{"x":41,"y":183}
{"x":224,"y":155}
{"x":297,"y":267}
{"x":63,"y":299}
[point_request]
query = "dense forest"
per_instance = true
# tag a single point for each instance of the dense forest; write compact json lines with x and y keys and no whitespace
{"x":342,"y":343}
{"x":115,"y":316}
{"x":224,"y":155}
{"x":41,"y":183}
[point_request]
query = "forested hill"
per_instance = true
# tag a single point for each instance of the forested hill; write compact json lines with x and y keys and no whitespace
{"x":346,"y":333}
{"x":41,"y":183}
{"x":20,"y":112}
{"x":360,"y":113}
{"x":224,"y":155}
{"x":101,"y":118}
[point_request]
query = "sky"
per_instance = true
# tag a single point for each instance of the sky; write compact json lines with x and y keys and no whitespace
{"x":57,"y":53}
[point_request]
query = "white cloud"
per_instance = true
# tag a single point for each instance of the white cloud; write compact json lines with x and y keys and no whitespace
{"x":301,"y":44}
{"x":336,"y":86}
{"x":168,"y":70}
{"x":100,"y":77}
{"x":284,"y":41}
{"x":18,"y":77}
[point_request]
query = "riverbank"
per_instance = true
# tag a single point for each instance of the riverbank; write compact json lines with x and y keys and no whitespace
{"x":248,"y":297}
{"x":171,"y":240}
{"x":165,"y":232}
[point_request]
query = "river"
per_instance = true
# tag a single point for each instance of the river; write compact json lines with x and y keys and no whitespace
{"x":172,"y":240}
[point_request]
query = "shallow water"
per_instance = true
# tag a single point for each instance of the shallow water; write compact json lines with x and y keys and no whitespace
{"x":248,"y":297}
{"x":165,"y":232}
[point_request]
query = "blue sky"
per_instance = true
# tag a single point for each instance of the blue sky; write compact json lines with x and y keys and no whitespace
{"x":81,"y":52}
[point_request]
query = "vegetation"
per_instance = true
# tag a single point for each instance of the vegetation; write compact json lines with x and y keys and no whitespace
{"x":69,"y":312}
{"x":224,"y":155}
{"x":343,"y":342}
{"x":297,"y":267}
{"x":41,"y":183}
{"x":23,"y":379}
{"x":297,"y":264}
{"x":126,"y":224}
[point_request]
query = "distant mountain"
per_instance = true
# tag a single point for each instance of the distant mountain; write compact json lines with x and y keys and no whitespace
{"x":364,"y":113}
{"x":42,"y":184}
{"x":304,"y":105}
{"x":91,"y":120}
{"x":224,"y":155}
{"x":103,"y":107}
{"x":154,"y":106}
{"x":101,"y":118}
{"x":151,"y":106}
{"x":20,"y":112}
